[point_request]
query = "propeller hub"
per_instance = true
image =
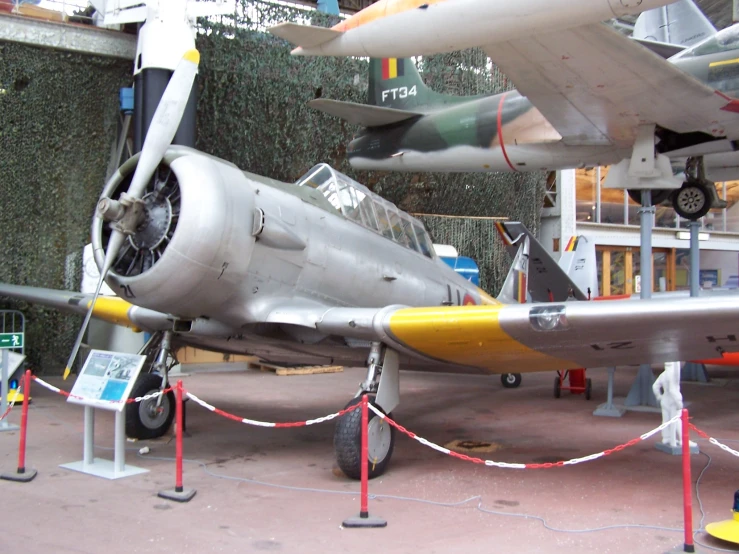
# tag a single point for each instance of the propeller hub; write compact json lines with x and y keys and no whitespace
{"x":157,"y":221}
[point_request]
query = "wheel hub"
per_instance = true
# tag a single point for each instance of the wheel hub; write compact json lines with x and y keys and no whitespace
{"x":379,"y":435}
{"x":152,"y":415}
{"x":691,"y":200}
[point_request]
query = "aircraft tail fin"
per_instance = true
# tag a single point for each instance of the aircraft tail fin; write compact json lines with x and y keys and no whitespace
{"x":574,"y":277}
{"x":396,"y":83}
{"x":579,"y":263}
{"x":515,"y":288}
{"x":679,"y":25}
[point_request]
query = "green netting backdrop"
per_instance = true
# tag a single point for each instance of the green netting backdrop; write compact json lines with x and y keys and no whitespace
{"x":59,"y":117}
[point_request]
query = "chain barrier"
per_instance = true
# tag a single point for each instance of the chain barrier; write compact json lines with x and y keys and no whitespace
{"x":266,"y":423}
{"x":713,"y":441}
{"x":506,"y":465}
{"x":12,"y":402}
{"x":66,"y":394}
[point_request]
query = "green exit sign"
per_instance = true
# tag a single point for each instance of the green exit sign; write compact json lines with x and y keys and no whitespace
{"x":11,"y":340}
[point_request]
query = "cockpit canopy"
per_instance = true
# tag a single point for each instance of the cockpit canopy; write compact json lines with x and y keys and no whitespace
{"x":358,"y":203}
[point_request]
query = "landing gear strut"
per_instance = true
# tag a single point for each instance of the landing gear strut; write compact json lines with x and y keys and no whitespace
{"x":150,"y":419}
{"x":697,"y":195}
{"x":381,"y":385}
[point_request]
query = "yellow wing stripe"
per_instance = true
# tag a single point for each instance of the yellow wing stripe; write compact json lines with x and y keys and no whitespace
{"x":114,"y":310}
{"x":468,"y":335}
{"x":725,"y":62}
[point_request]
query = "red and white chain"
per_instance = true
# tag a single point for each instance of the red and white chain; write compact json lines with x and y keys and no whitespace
{"x":506,"y":465}
{"x":266,"y":423}
{"x":713,"y":441}
{"x":12,"y":402}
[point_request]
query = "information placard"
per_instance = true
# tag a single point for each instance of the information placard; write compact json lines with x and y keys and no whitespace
{"x":106,"y":379}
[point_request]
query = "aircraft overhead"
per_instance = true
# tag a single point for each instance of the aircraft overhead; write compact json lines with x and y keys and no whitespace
{"x":586,"y":96}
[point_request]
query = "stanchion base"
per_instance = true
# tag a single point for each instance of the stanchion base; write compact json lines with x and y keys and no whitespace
{"x":359,"y":521}
{"x":103,"y":468}
{"x":24,"y":477}
{"x":676,"y":450}
{"x":185,"y":496}
{"x":609,"y":410}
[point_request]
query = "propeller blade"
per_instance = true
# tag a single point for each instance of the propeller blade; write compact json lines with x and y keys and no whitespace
{"x":165,"y":122}
{"x":162,"y":130}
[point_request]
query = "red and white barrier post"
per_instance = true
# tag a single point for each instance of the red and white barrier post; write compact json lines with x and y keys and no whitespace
{"x":364,"y":519}
{"x":687,"y":485}
{"x":23,"y":475}
{"x":179,"y":493}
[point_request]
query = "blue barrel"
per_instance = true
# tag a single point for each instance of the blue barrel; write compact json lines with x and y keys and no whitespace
{"x":466,"y":267}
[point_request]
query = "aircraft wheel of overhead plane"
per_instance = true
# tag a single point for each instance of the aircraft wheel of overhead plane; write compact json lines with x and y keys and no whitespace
{"x":144,"y":420}
{"x":658,"y":196}
{"x":511,"y":380}
{"x":692,"y":200}
{"x":348,"y":442}
{"x":588,"y":388}
{"x":557,"y":387}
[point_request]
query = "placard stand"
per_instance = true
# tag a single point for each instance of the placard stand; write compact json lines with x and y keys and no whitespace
{"x":98,"y":466}
{"x":105,"y":381}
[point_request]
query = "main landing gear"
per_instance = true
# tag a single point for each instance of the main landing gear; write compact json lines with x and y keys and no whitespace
{"x":150,"y":419}
{"x":694,"y":198}
{"x":382,"y":387}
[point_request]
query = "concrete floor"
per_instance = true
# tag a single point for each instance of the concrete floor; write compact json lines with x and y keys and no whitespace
{"x":252,"y":483}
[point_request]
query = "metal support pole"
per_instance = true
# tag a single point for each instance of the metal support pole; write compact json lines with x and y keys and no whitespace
{"x":4,"y":425}
{"x":119,"y":451}
{"x":692,"y":371}
{"x":609,"y":409}
{"x":641,"y":391}
{"x":89,"y":438}
{"x":687,"y":486}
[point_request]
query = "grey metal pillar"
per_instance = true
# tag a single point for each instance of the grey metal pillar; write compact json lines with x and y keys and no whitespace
{"x":119,"y":451}
{"x":609,"y":409}
{"x":692,"y":371}
{"x":89,"y":437}
{"x":4,"y":425}
{"x":641,"y":391}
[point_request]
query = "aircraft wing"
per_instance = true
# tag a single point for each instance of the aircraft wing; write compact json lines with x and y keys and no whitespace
{"x":362,"y":114}
{"x":540,"y":337}
{"x":596,"y":86}
{"x":108,"y":308}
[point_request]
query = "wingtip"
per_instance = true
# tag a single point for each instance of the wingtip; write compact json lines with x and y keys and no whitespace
{"x":299,"y":51}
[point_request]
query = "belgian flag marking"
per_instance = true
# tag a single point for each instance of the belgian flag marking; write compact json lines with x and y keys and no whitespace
{"x":392,"y":68}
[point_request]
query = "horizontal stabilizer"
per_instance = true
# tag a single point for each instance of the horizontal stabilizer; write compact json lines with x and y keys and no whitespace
{"x":362,"y":114}
{"x":305,"y":36}
{"x":664,"y":49}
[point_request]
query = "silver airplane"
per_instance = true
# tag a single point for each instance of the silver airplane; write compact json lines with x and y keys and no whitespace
{"x":323,"y":271}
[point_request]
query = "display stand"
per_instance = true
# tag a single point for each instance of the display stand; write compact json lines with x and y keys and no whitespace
{"x":640,"y":395}
{"x":609,"y":409}
{"x":105,"y":382}
{"x":693,"y":371}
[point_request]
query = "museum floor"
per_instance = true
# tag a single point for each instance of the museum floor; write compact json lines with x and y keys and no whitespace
{"x":277,"y":490}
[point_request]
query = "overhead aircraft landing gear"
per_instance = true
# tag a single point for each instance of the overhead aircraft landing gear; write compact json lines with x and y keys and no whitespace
{"x":150,"y":419}
{"x":697,"y":195}
{"x":382,"y":387}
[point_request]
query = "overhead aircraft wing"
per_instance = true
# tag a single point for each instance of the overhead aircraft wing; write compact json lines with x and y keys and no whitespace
{"x":596,"y":86}
{"x":362,"y":114}
{"x":108,"y":308}
{"x":540,"y":337}
{"x":305,"y":36}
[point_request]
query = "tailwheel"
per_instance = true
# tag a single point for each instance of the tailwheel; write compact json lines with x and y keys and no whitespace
{"x":511,"y":380}
{"x":149,"y":419}
{"x":588,"y":389}
{"x":557,"y":386}
{"x":348,"y":442}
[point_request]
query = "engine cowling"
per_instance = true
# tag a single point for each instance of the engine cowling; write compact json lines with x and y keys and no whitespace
{"x":192,"y":249}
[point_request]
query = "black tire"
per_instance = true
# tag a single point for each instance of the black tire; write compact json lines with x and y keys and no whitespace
{"x":691,"y":201}
{"x":348,"y":442}
{"x":511,"y":380}
{"x":557,"y":387}
{"x":588,"y":388}
{"x":142,"y":422}
{"x":658,"y":195}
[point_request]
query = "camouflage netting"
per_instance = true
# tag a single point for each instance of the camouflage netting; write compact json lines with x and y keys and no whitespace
{"x":58,"y":119}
